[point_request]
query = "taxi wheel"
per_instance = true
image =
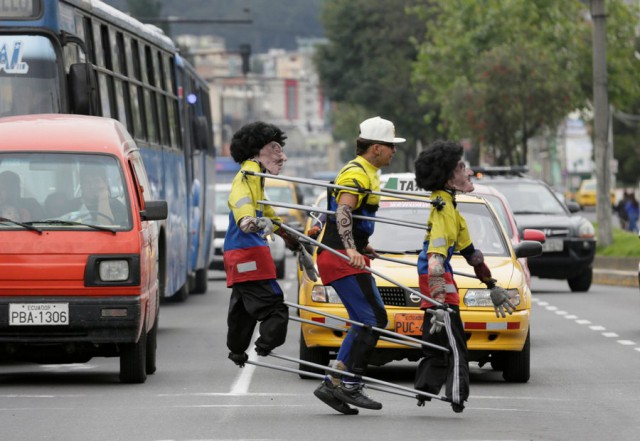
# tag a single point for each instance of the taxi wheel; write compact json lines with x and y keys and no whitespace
{"x":517,"y":365}
{"x":313,"y":355}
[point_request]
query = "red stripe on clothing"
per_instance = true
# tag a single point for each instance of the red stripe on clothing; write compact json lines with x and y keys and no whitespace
{"x":265,"y":269}
{"x":332,"y":267}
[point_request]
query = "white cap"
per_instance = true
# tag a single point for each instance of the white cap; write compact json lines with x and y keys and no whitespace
{"x":378,"y":129}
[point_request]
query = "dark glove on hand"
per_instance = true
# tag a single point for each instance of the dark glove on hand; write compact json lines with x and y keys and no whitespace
{"x":290,"y":241}
{"x":306,"y":263}
{"x":501,"y":301}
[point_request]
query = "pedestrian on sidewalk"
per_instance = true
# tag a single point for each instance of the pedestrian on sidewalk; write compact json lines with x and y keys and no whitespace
{"x":632,"y":212}
{"x":375,"y":148}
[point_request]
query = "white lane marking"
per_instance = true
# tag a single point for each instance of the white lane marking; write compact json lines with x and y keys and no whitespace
{"x":240,"y":385}
{"x":598,"y":328}
{"x":627,"y":342}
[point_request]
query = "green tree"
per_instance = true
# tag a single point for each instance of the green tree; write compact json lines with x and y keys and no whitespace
{"x":502,"y":71}
{"x":366,"y":69}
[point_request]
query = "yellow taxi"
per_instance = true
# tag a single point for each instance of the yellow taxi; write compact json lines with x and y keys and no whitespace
{"x":586,"y":195}
{"x":287,"y":192}
{"x":502,"y":342}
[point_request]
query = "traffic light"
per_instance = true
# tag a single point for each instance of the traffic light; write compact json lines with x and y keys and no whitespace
{"x":245,"y":53}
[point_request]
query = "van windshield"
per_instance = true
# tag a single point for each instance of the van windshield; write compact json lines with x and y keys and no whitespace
{"x":45,"y":189}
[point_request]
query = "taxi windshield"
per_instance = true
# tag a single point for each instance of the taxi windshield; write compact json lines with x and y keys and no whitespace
{"x":485,"y":232}
{"x":28,"y":76}
{"x":63,"y":191}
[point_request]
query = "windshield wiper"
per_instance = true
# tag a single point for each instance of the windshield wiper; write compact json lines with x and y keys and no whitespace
{"x":65,"y":222}
{"x":26,"y":225}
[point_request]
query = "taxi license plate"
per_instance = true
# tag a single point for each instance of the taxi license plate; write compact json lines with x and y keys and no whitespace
{"x":552,"y":245}
{"x":38,"y":314}
{"x":409,"y":324}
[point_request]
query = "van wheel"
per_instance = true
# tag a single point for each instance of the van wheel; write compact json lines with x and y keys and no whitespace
{"x":133,"y":360}
{"x":314,"y":355}
{"x":152,"y":346}
{"x":517,"y":365}
{"x":201,"y":282}
{"x":582,"y":282}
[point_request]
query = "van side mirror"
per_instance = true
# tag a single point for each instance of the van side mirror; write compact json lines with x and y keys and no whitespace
{"x":155,"y":210}
{"x":83,"y":89}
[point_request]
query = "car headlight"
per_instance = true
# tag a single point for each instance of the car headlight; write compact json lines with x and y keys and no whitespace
{"x":324,"y":294}
{"x":586,"y":230}
{"x":482,"y":297}
{"x":113,"y":270}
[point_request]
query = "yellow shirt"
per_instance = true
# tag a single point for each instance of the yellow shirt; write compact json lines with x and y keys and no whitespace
{"x":366,"y":177}
{"x":246,"y":191}
{"x":447,"y":227}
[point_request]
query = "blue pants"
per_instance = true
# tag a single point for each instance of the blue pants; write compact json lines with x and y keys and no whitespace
{"x":362,"y":300}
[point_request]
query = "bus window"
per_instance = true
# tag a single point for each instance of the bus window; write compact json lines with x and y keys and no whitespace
{"x":28,"y":76}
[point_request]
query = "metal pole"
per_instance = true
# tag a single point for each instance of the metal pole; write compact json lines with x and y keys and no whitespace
{"x":392,"y":193}
{"x":352,"y":375}
{"x":321,"y":376}
{"x":338,"y":328}
{"x":372,"y":271}
{"x":308,"y":208}
{"x":404,"y":262}
{"x":353,"y":322}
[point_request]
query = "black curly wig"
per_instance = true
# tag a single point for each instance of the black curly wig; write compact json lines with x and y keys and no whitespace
{"x":248,"y":141}
{"x":436,"y":164}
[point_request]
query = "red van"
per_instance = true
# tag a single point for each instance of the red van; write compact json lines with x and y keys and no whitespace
{"x":78,"y":245}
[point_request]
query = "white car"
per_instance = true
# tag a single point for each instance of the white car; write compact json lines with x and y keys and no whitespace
{"x":221,"y":222}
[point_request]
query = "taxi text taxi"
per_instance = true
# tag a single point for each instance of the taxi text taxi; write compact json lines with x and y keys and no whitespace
{"x":504,"y":343}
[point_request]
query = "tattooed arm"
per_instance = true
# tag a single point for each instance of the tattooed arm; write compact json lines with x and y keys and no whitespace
{"x":344,"y":220}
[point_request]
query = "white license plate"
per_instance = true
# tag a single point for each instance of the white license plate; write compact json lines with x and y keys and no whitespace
{"x":38,"y":314}
{"x":552,"y":245}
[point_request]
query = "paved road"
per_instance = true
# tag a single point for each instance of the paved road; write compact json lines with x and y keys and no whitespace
{"x":584,"y":385}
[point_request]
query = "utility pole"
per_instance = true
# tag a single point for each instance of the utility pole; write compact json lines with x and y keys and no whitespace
{"x":600,"y":124}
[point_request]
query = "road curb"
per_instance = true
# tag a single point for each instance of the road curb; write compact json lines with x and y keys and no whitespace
{"x":606,"y":276}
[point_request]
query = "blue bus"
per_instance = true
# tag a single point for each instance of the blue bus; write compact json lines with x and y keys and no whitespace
{"x":85,"y":57}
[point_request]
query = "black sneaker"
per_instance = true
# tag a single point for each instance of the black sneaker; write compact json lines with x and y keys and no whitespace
{"x":325,"y":393}
{"x":353,"y":394}
{"x":422,"y":399}
{"x":457,"y":408}
{"x":239,"y":359}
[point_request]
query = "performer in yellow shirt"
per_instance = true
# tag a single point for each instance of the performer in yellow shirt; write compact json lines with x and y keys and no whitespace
{"x":256,"y":296}
{"x":375,"y":148}
{"x":441,"y":170}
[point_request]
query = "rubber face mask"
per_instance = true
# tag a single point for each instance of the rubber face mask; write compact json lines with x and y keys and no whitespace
{"x":461,"y":180}
{"x":272,"y":157}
